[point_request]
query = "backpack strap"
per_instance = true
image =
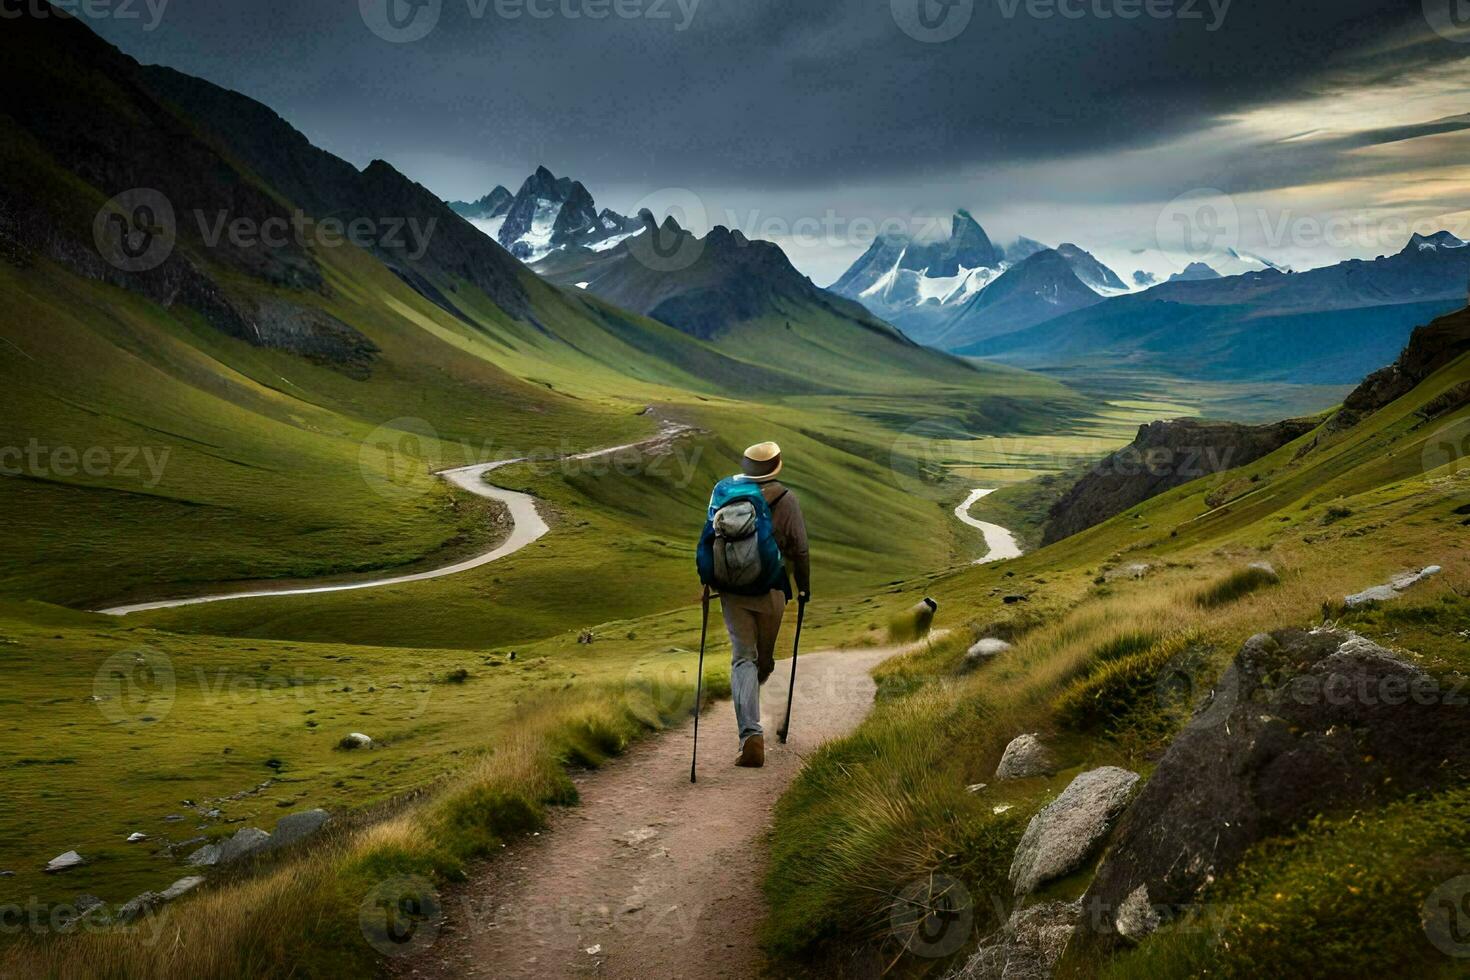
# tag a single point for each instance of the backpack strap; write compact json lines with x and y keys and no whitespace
{"x":784,"y":491}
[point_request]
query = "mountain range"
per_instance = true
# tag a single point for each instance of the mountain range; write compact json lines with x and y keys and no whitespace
{"x":1323,"y":326}
{"x":930,"y":289}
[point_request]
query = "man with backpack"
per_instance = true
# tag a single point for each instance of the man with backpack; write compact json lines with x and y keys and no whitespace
{"x":753,"y":545}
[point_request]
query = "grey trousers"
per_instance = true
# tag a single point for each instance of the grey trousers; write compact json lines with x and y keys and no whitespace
{"x":753,"y":623}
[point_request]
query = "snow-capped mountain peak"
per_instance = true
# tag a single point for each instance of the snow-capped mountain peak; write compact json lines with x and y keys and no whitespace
{"x":547,"y":213}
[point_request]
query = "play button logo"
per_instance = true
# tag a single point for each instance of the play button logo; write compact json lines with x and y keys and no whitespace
{"x":401,"y":21}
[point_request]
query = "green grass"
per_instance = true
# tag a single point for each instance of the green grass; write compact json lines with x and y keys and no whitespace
{"x":1238,"y":584}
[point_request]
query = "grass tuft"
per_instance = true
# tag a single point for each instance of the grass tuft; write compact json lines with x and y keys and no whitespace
{"x":1237,"y":585}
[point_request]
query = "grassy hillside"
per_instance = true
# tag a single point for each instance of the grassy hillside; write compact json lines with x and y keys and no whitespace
{"x":1107,"y":667}
{"x":276,"y":415}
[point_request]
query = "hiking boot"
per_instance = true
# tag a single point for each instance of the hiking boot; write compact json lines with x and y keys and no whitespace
{"x":752,"y":752}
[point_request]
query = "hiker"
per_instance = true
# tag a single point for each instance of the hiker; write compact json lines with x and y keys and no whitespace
{"x":751,"y":559}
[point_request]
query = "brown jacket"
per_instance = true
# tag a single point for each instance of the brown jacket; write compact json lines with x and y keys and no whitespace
{"x":790,"y":528}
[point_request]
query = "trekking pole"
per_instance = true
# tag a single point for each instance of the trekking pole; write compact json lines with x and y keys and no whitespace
{"x":699,"y":684}
{"x":791,"y":692}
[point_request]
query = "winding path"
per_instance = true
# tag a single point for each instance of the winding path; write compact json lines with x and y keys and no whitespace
{"x":527,"y":526}
{"x":1001,"y":542}
{"x":650,"y":876}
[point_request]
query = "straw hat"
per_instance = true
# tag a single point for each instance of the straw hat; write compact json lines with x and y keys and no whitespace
{"x":762,"y":462}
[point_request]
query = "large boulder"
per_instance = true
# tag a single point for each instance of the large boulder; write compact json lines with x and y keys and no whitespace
{"x":246,"y":841}
{"x":1068,"y":829}
{"x":1300,"y":724}
{"x":297,"y":827}
{"x":1025,"y":756}
{"x":1027,"y":947}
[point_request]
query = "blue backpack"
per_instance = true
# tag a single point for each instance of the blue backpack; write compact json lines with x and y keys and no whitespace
{"x":738,"y":553}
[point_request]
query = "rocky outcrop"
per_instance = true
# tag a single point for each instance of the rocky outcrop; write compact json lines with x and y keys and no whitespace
{"x":1430,"y":348}
{"x":1065,"y":832}
{"x":1300,"y":724}
{"x":1027,"y":947}
{"x":1025,"y":756}
{"x":1391,"y":589}
{"x":1164,"y":455}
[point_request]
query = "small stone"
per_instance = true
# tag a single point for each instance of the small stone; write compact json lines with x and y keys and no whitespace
{"x":357,"y":740}
{"x":594,"y":950}
{"x":986,"y":649}
{"x":1002,"y":808}
{"x":1025,"y":756}
{"x":135,"y":837}
{"x":974,"y":787}
{"x":206,"y":857}
{"x":64,"y":862}
{"x":7,"y":874}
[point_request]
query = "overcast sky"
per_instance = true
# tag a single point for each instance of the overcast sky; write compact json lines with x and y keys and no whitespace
{"x":1312,"y":129}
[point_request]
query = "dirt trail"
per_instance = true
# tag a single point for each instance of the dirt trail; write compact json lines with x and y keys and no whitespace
{"x":657,"y":877}
{"x":1001,"y":542}
{"x":527,"y":526}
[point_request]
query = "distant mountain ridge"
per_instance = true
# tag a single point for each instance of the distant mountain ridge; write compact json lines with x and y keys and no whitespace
{"x":702,"y":286}
{"x":1037,"y":289}
{"x":492,"y":205}
{"x":1330,"y":325}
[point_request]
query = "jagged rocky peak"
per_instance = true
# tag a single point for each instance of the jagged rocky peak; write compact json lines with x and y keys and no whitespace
{"x":1022,"y":248}
{"x":492,"y":205}
{"x":1195,"y":272}
{"x":548,"y":214}
{"x":1440,"y":239}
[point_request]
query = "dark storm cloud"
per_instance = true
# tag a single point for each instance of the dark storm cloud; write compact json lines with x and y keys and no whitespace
{"x":771,"y":93}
